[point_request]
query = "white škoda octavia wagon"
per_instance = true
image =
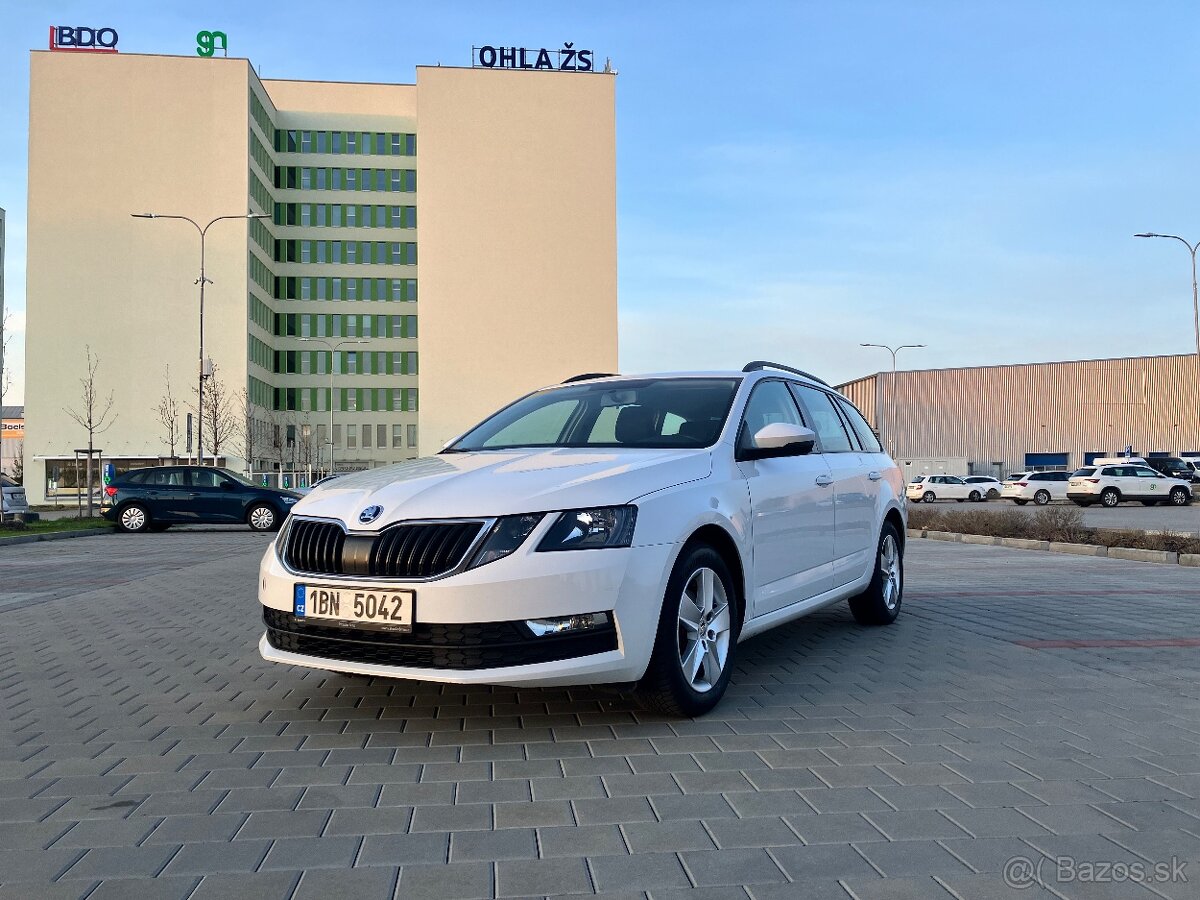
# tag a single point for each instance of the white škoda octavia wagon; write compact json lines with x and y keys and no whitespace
{"x":608,"y":529}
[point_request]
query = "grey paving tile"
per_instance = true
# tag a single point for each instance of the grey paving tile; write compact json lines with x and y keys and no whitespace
{"x":763,"y":831}
{"x":305,"y":823}
{"x":454,"y":881}
{"x":614,"y":810}
{"x":162,"y":888}
{"x":695,"y":806}
{"x":473,"y":816}
{"x":995,"y":822}
{"x":732,"y":867}
{"x":542,"y":876}
{"x":290,"y":854}
{"x":19,"y":866}
{"x":659,"y":837}
{"x":507,"y":843}
{"x":1074,"y":819}
{"x":925,"y":888}
{"x":534,"y":814}
{"x":121,"y":862}
{"x":580,"y":840}
{"x":899,"y":859}
{"x":99,"y":833}
{"x":403,"y":849}
{"x":821,"y":861}
{"x":376,"y":883}
{"x":835,"y":828}
{"x":213,"y":857}
{"x":642,"y":871}
{"x":915,"y":825}
{"x":189,"y":829}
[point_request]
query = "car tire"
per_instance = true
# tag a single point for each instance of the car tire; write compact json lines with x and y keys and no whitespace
{"x":1110,"y":497}
{"x":159,"y":526}
{"x":993,"y":494}
{"x":1041,"y":498}
{"x":1180,"y":496}
{"x":928,"y":497}
{"x":132,"y":518}
{"x":668,"y":687}
{"x":880,"y":603}
{"x":263,"y":517}
{"x":975,"y":496}
{"x":1020,"y":502}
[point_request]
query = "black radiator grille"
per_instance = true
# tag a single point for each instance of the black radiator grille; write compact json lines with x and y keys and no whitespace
{"x":419,"y":550}
{"x":315,"y":547}
{"x":431,"y":645}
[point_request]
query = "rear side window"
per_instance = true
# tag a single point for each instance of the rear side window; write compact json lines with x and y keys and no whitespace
{"x":164,"y":478}
{"x":826,"y":421}
{"x":135,"y":477}
{"x":866,"y":437}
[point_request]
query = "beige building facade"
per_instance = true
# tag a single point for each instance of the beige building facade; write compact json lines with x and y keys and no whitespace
{"x":438,"y":248}
{"x":992,"y":420}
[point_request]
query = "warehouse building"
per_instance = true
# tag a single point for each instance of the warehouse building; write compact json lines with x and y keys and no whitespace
{"x":992,"y":420}
{"x":429,"y":251}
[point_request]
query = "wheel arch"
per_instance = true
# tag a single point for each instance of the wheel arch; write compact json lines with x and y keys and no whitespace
{"x":726,"y":547}
{"x":894,"y":518}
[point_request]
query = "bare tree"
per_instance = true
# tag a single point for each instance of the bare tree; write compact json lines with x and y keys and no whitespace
{"x":93,"y":415}
{"x":249,"y":429}
{"x":220,"y":416}
{"x":168,"y":414}
{"x":18,"y":466}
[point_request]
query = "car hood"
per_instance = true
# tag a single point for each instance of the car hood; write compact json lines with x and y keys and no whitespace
{"x":497,"y":483}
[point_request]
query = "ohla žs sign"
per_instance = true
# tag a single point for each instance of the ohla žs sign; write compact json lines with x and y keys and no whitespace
{"x":77,"y":37}
{"x":567,"y":59}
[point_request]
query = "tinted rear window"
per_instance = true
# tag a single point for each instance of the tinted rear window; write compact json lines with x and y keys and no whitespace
{"x":1084,"y":472}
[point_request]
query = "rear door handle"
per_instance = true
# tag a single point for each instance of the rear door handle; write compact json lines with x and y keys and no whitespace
{"x":824,"y":480}
{"x":874,"y":476}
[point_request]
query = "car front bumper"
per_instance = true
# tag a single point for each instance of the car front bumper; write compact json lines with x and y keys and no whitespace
{"x":491,"y":603}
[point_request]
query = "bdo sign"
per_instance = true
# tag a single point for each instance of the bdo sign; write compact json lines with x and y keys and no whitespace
{"x":78,"y":37}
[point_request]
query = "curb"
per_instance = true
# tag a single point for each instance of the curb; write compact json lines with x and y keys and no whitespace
{"x":1127,"y":553}
{"x":52,"y":536}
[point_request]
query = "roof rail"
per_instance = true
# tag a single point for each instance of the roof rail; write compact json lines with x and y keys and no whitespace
{"x":588,"y":376}
{"x":760,"y":364}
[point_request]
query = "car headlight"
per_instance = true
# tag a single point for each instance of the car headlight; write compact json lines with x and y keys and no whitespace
{"x":591,"y":529}
{"x":505,"y":536}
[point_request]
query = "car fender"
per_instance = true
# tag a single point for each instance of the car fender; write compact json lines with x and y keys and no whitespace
{"x":672,"y":515}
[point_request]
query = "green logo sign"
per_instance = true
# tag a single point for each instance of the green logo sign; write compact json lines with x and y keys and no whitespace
{"x":209,"y":41}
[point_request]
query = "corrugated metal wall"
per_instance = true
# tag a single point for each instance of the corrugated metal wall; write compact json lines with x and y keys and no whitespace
{"x":997,"y":414}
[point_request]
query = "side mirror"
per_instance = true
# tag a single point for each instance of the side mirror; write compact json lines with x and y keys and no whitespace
{"x":780,"y":439}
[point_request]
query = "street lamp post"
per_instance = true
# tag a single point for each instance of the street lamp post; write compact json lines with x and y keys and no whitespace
{"x":332,"y":350}
{"x":892,"y":405}
{"x":203,"y":231}
{"x":1195,"y":298}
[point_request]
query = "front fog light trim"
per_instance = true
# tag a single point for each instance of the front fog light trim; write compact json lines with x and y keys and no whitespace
{"x":568,"y":624}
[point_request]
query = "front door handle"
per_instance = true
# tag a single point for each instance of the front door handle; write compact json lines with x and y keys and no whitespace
{"x":874,"y":476}
{"x":824,"y":480}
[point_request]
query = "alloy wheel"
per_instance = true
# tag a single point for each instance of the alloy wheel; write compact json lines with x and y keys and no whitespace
{"x":890,"y":572}
{"x":703,"y":630}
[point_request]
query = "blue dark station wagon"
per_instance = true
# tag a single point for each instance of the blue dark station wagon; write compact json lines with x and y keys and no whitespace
{"x":154,"y":499}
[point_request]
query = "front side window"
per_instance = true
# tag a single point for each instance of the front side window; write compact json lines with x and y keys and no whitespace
{"x":866,"y":436}
{"x":576,"y":416}
{"x":770,"y":403}
{"x":825,"y":420}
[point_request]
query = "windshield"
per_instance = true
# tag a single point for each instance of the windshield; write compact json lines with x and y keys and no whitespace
{"x":240,"y":479}
{"x":651,"y":413}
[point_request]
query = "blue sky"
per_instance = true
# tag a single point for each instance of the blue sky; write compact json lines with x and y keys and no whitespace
{"x":797,"y":178}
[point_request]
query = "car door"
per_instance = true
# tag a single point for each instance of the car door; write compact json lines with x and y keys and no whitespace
{"x":792,"y":508}
{"x":166,"y":494}
{"x":1150,"y":485}
{"x":954,"y":488}
{"x":216,"y":496}
{"x":1058,"y":486}
{"x":854,"y":492}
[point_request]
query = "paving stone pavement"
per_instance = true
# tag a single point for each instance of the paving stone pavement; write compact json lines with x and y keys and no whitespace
{"x":147,"y":752}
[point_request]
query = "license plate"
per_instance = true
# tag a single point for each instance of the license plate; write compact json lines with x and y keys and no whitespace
{"x":356,"y":607}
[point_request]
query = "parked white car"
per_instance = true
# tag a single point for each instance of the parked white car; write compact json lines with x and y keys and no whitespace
{"x":928,"y":488}
{"x":1112,"y":483}
{"x":1040,"y":487}
{"x":608,"y":529}
{"x":12,"y":498}
{"x":989,"y":486}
